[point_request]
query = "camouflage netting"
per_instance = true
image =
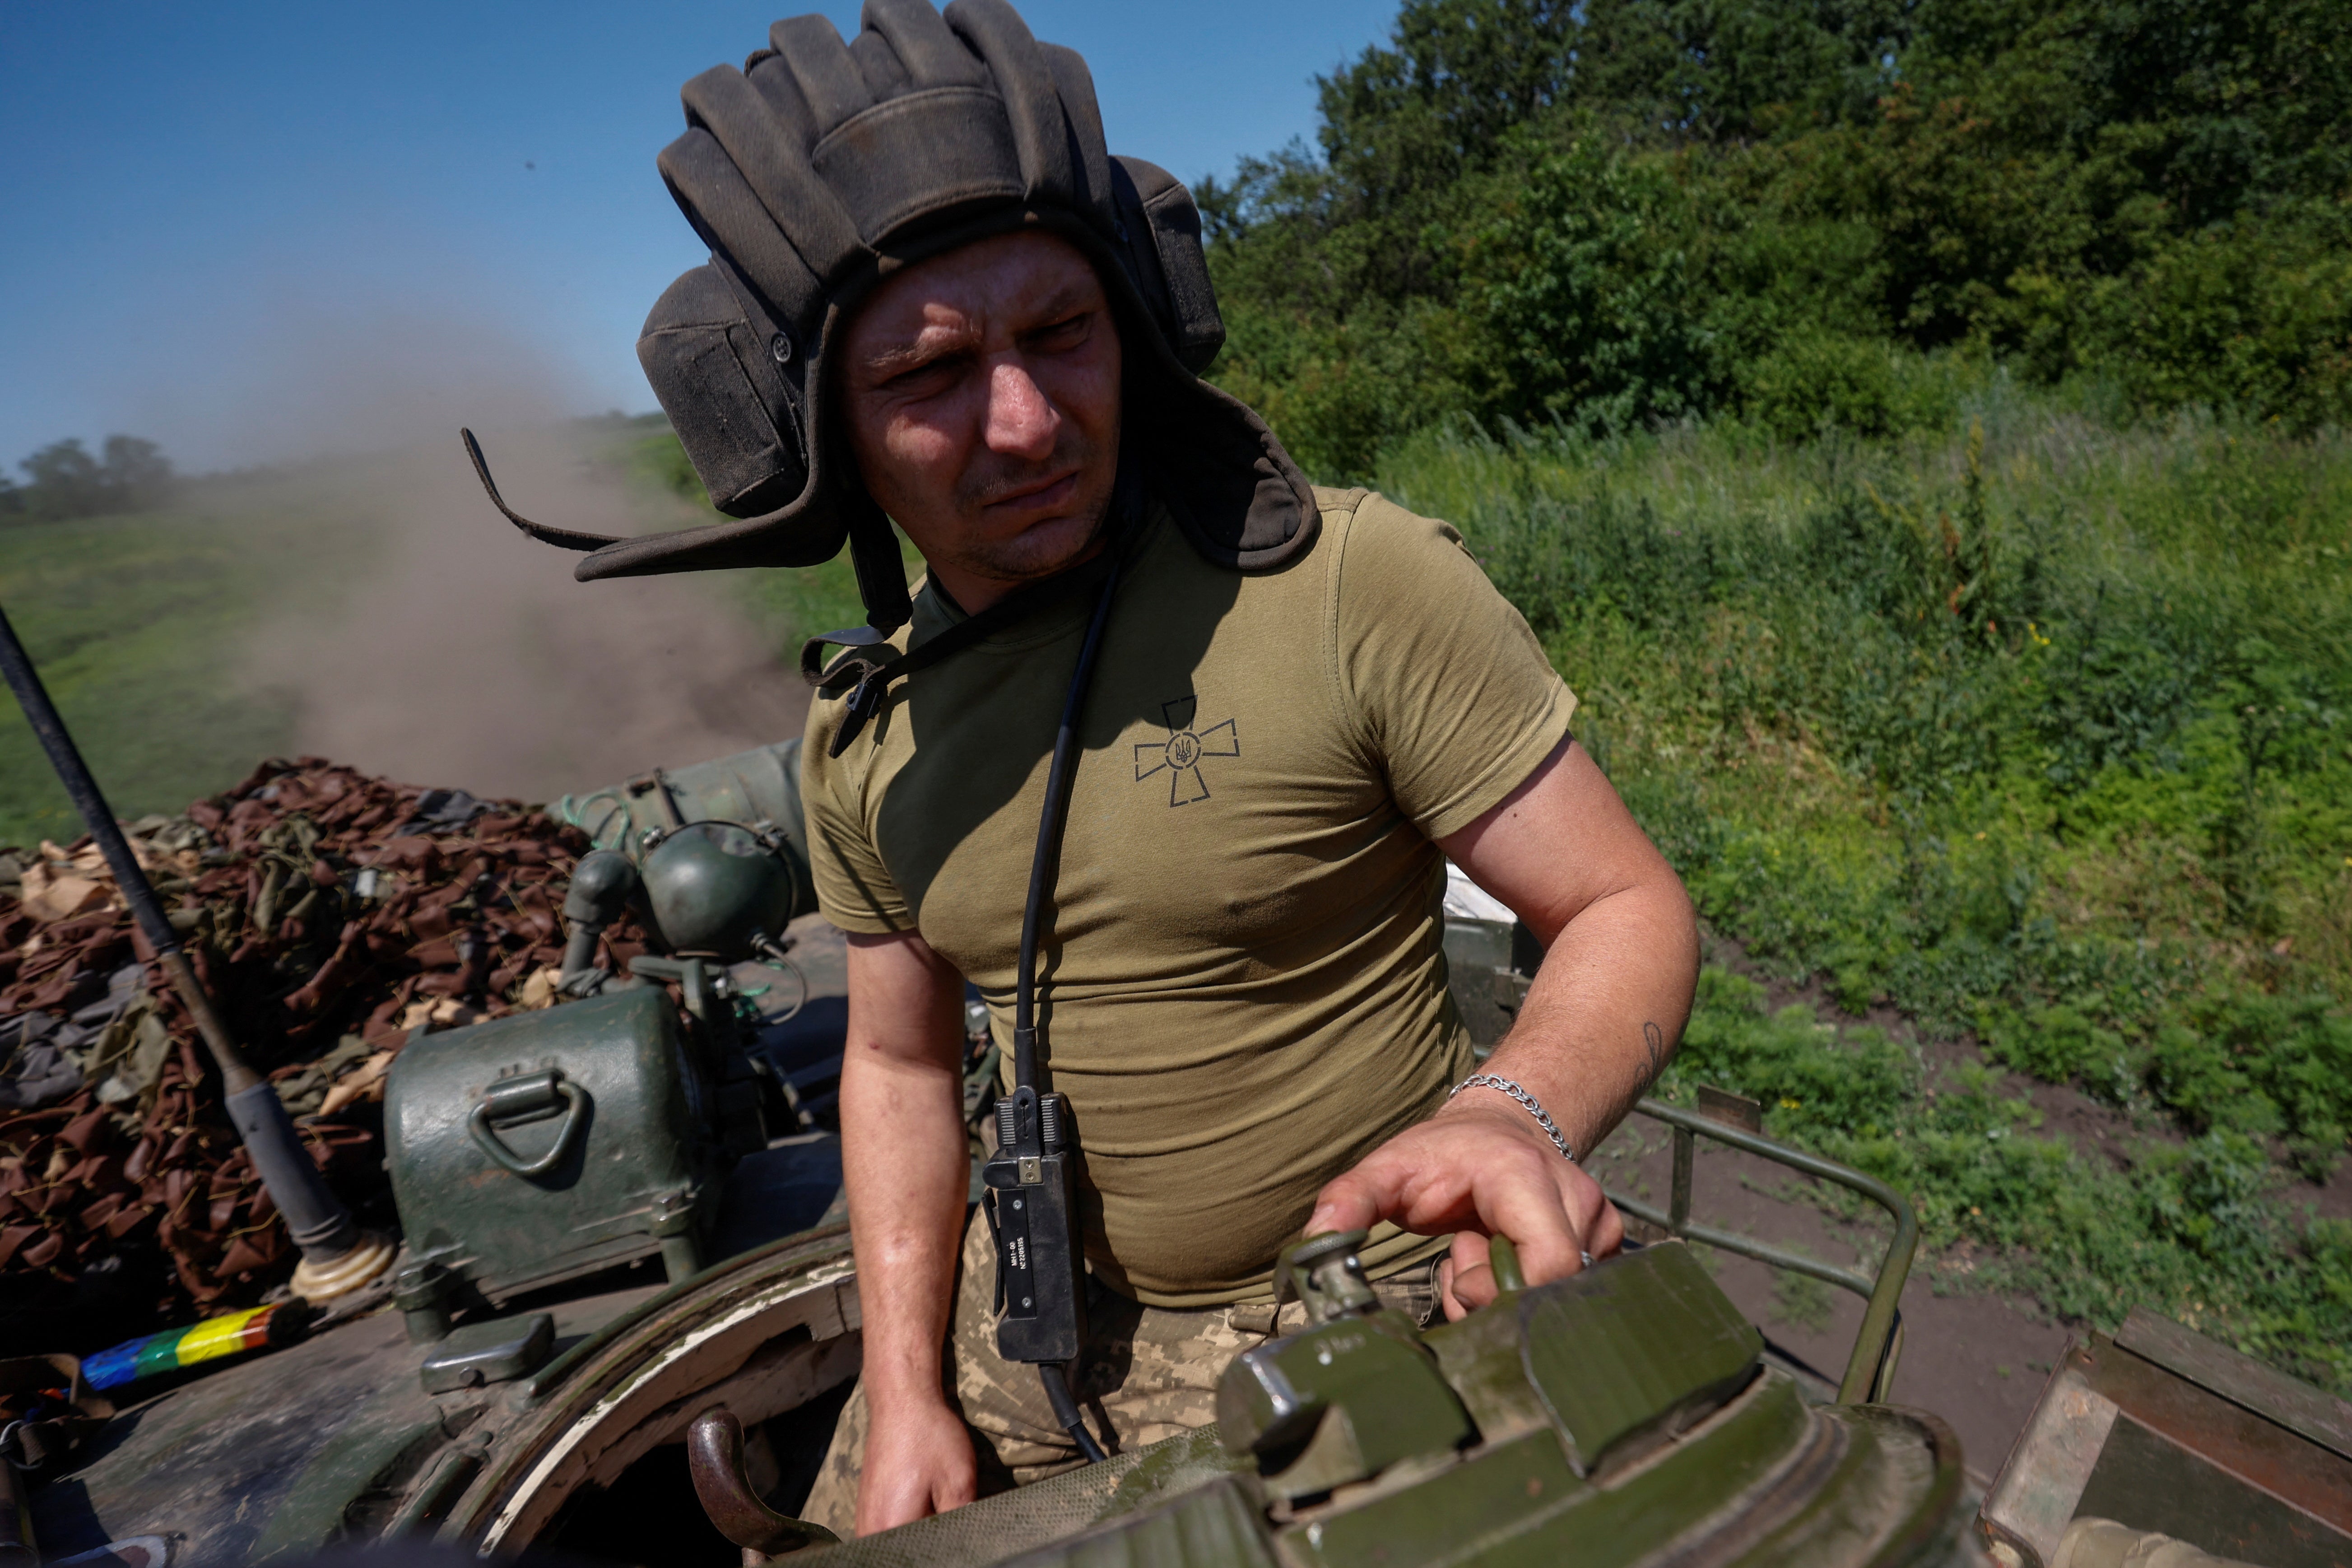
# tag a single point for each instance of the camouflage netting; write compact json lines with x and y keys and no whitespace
{"x":332,"y":915}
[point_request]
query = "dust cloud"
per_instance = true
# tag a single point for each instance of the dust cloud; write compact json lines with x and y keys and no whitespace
{"x":460,"y":652}
{"x":424,"y":638}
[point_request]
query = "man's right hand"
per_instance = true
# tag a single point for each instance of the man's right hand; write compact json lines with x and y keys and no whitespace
{"x":918,"y":1462}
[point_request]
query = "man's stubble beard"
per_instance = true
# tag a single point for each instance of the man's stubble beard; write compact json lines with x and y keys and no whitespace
{"x":1042,"y":549}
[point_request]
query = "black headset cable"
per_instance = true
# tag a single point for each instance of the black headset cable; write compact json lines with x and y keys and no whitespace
{"x":1043,"y":869}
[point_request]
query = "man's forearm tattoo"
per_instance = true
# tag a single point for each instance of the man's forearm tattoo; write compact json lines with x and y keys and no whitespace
{"x":1654,"y":1044}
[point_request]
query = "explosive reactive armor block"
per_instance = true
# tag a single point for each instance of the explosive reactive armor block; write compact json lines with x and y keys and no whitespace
{"x":548,"y":1145}
{"x":1625,"y":1418}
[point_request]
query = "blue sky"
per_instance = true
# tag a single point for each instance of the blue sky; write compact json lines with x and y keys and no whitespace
{"x":253,"y":230}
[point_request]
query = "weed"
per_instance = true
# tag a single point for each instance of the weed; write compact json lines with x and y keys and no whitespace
{"x":1800,"y":1300}
{"x":2190,"y":1231}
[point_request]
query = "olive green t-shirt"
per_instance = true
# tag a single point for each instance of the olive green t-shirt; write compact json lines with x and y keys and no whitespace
{"x":1242,"y":984}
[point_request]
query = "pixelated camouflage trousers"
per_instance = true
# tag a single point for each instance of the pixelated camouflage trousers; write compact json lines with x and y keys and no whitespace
{"x":1146,"y":1374}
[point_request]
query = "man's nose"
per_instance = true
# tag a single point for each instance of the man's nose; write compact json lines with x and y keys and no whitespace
{"x":1022,"y":421}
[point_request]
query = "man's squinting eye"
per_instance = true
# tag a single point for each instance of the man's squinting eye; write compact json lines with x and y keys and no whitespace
{"x":929,"y":374}
{"x":1068,"y":329}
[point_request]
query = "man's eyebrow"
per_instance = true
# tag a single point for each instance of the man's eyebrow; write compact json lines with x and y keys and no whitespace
{"x":912,"y":354}
{"x":901,"y":357}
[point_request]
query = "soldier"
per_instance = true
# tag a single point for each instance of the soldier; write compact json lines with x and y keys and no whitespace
{"x":935,"y":299}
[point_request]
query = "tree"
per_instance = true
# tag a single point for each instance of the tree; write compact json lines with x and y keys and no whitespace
{"x":1583,"y":292}
{"x":1619,"y":212}
{"x":65,"y":481}
{"x":135,"y":471}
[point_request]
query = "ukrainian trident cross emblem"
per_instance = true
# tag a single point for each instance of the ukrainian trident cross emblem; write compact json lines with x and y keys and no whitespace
{"x":1179,"y":756}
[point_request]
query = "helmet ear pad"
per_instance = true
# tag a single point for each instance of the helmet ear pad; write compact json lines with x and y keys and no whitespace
{"x":1160,"y":228}
{"x":719,"y":366}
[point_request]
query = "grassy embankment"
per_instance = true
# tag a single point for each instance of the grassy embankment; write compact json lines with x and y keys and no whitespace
{"x":2036,"y":728}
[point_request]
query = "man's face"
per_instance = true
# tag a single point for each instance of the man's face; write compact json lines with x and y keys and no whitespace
{"x":982,"y":389}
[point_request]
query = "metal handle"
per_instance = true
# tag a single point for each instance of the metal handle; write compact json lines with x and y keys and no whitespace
{"x":1870,"y":1370}
{"x":714,"y":1454}
{"x":518,"y":1097}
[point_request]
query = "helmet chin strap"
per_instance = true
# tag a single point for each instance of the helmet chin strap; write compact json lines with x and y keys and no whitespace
{"x":881,"y":573}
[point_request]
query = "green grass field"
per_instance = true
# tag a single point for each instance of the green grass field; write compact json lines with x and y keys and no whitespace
{"x":138,"y":626}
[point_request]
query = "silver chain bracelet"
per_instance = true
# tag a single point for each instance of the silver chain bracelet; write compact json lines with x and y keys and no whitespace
{"x":1534,"y":1107}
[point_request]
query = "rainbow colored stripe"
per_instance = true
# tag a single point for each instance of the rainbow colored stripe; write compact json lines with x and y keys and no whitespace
{"x":176,"y":1348}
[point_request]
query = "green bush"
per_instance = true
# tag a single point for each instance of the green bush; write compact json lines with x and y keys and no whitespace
{"x":2253,"y":315}
{"x":1814,"y":1076}
{"x":1625,"y":213}
{"x":2058,"y":1042}
{"x":1340,"y":398}
{"x":1818,"y":381}
{"x":1583,"y":302}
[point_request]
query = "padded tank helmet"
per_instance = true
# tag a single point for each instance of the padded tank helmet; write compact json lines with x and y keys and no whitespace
{"x":821,"y":168}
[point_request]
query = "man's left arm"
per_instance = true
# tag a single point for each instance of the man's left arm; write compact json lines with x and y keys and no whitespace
{"x":1606,"y":1010}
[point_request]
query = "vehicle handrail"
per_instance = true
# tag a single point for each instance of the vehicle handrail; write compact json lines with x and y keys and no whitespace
{"x":1878,"y":1344}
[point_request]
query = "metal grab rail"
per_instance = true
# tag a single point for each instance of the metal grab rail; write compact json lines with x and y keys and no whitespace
{"x":1870,"y":1369}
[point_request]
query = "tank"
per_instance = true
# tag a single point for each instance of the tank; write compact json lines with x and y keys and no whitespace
{"x":674,"y":1410}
